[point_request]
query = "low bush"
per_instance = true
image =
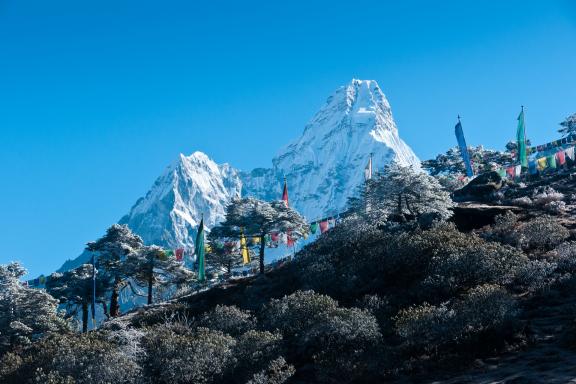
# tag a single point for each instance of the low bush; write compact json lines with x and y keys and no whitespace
{"x":543,"y":233}
{"x":86,"y":359}
{"x":194,"y":356}
{"x":278,"y":372}
{"x":228,"y":319}
{"x":338,"y":340}
{"x":430,"y":327}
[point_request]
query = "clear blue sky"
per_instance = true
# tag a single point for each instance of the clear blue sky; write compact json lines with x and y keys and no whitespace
{"x":97,"y":97}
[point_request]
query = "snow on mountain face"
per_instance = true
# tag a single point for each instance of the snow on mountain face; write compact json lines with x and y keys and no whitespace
{"x":325,"y":165}
{"x":171,"y":211}
{"x":323,"y":168}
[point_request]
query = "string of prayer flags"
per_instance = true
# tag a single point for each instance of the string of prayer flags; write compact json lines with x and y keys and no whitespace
{"x":555,"y":143}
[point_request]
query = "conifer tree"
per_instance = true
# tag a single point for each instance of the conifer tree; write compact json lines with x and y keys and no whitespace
{"x":112,"y":249}
{"x":259,"y":218}
{"x":25,"y":313}
{"x":408,"y":193}
{"x":223,"y":254}
{"x":151,"y":266}
{"x":75,"y":288}
{"x":568,"y":125}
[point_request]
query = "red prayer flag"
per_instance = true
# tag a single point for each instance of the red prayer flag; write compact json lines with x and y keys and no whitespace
{"x":179,"y":254}
{"x":511,"y":172}
{"x":561,"y":157}
{"x":323,"y":226}
{"x":274,"y":236}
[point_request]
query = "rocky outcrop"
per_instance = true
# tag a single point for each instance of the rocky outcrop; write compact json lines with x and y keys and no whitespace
{"x":481,"y":188}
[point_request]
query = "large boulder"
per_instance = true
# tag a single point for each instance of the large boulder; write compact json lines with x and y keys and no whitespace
{"x":481,"y":188}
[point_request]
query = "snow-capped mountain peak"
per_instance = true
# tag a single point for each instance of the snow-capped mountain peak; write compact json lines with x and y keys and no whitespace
{"x":189,"y":188}
{"x":324,"y":166}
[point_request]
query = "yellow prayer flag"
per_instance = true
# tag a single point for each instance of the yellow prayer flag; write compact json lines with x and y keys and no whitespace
{"x":244,"y":248}
{"x":542,"y":162}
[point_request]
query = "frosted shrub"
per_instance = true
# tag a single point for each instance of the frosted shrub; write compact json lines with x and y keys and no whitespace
{"x":86,"y":359}
{"x":425,"y":325}
{"x":544,"y":232}
{"x":254,"y":350}
{"x":128,"y":339}
{"x":546,"y":195}
{"x":296,"y":313}
{"x":477,"y":262}
{"x":556,"y":207}
{"x":536,"y":275}
{"x":278,"y":372}
{"x":566,"y":257}
{"x":339,"y":339}
{"x":483,"y":308}
{"x":523,"y":201}
{"x":228,"y":319}
{"x":504,"y":230}
{"x":200,"y":356}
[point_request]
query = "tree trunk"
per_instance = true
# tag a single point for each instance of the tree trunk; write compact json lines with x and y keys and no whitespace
{"x":408,"y":205}
{"x":84,"y":317}
{"x":400,"y":204}
{"x":150,"y":284}
{"x":114,"y":304}
{"x":262,"y":247}
{"x":105,"y":308}
{"x":229,"y":268}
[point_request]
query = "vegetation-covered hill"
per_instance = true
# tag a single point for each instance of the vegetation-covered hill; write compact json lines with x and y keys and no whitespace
{"x":414,"y":298}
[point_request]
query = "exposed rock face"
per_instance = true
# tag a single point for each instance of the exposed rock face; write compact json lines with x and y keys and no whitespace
{"x":480,"y":188}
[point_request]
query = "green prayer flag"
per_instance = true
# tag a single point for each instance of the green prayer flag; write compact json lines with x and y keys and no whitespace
{"x":200,"y":251}
{"x":521,"y":140}
{"x":313,"y":228}
{"x":551,"y":159}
